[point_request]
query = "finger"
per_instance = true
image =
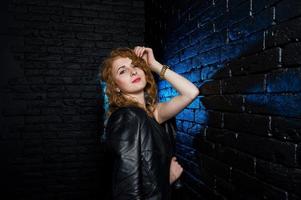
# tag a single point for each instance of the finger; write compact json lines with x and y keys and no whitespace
{"x":136,"y":50}
{"x":142,"y":51}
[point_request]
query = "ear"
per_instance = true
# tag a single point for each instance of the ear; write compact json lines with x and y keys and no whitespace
{"x":117,"y":90}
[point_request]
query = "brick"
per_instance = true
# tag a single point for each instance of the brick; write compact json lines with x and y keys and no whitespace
{"x":224,"y":137}
{"x":236,"y":159}
{"x":90,"y":36}
{"x":214,"y":71}
{"x":215,"y":167}
{"x":194,"y":75}
{"x":201,"y":116}
{"x":268,"y":60}
{"x":258,"y":6}
{"x":74,"y":28}
{"x":249,"y":123}
{"x":45,"y":10}
{"x":232,"y":50}
{"x":179,"y":45}
{"x":197,"y":7}
{"x":184,"y":138}
{"x":224,"y":103}
{"x":293,"y":196}
{"x":203,"y":31}
{"x":286,"y":80}
{"x":222,"y":72}
{"x":214,"y":40}
{"x":210,"y":87}
{"x":79,"y":12}
{"x":298,"y":154}
{"x":188,"y":153}
{"x":276,"y":104}
{"x":33,"y":17}
{"x":283,"y":33}
{"x":250,"y":25}
{"x":205,"y":147}
{"x":267,"y":149}
{"x":292,"y":54}
{"x":239,"y":12}
{"x":225,"y":188}
{"x":222,"y":22}
{"x":252,"y":188}
{"x":244,"y":84}
{"x":286,"y":128}
{"x":181,"y":67}
{"x":236,"y":3}
{"x":186,"y":114}
{"x":214,"y":119}
{"x":275,"y":174}
{"x":188,"y":52}
{"x":210,"y":57}
{"x":253,"y":44}
{"x":198,"y":188}
{"x":296,"y":180}
{"x":287,"y":9}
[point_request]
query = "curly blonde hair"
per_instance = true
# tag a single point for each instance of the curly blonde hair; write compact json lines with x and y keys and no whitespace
{"x":116,"y":99}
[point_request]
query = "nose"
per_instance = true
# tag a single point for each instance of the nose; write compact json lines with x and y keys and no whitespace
{"x":134,"y":72}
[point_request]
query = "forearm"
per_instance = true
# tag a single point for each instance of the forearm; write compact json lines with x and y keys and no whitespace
{"x":180,"y":83}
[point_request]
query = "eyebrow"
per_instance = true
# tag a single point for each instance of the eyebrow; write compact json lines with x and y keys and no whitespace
{"x":123,"y":66}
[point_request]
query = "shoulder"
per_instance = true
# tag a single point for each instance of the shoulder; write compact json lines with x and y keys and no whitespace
{"x":127,"y":113}
{"x":126,"y":120}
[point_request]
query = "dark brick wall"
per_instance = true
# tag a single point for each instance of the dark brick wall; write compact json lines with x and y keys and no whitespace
{"x":50,"y":102}
{"x":241,"y":138}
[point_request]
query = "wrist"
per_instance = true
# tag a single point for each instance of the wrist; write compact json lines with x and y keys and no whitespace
{"x":156,"y":67}
{"x":163,"y":70}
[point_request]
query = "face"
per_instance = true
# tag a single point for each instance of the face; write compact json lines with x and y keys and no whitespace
{"x":128,"y":78}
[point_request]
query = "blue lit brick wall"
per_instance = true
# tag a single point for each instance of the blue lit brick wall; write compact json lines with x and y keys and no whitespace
{"x":241,"y":138}
{"x":50,"y":122}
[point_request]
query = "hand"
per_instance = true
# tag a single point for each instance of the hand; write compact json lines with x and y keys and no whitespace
{"x":175,"y":170}
{"x":148,"y":56}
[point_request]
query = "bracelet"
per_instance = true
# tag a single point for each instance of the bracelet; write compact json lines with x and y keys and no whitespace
{"x":163,"y":70}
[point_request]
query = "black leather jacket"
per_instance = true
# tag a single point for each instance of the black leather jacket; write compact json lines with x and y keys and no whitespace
{"x":141,"y":149}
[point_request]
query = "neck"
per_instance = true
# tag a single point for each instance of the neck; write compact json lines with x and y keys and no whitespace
{"x":138,"y":97}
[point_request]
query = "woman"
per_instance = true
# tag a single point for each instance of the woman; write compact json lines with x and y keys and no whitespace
{"x":143,"y":165}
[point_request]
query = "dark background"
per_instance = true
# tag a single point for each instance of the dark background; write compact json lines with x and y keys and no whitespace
{"x":240,"y":139}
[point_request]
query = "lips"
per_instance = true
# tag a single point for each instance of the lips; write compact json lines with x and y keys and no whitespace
{"x":136,"y":80}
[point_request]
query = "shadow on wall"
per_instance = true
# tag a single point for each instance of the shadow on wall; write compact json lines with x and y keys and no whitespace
{"x":256,"y":95}
{"x":250,"y":107}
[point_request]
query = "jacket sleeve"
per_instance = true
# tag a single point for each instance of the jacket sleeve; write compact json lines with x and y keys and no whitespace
{"x":123,"y":137}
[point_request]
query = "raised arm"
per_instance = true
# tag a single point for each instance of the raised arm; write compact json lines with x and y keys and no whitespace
{"x":187,"y":90}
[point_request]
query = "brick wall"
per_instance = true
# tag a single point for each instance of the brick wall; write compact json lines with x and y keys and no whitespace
{"x":50,"y":120}
{"x":241,"y":138}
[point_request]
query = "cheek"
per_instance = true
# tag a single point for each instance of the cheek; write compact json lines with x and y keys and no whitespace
{"x":121,"y":82}
{"x":141,"y":73}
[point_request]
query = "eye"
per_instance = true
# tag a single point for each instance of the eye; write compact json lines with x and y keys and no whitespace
{"x":122,"y":71}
